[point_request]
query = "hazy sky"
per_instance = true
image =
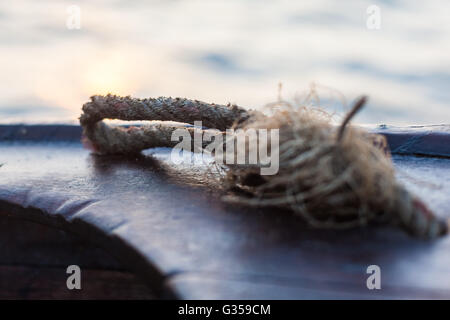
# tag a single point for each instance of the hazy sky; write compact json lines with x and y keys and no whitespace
{"x":226,"y":51}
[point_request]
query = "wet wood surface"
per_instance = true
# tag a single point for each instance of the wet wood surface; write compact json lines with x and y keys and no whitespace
{"x":34,"y":260}
{"x":162,"y":223}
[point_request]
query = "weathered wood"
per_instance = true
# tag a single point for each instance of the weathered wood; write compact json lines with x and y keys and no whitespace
{"x":414,"y":140}
{"x":34,"y":259}
{"x":24,"y":282}
{"x":159,"y":221}
{"x":39,"y":133}
{"x":217,"y":287}
{"x":417,"y":140}
{"x":26,"y":243}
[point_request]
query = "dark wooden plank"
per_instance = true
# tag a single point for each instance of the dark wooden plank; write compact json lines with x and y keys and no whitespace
{"x":48,"y":133}
{"x":24,"y":282}
{"x":417,"y":140}
{"x":161,"y":223}
{"x":34,"y":258}
{"x":26,"y":243}
{"x":413,"y":140}
{"x":216,"y":286}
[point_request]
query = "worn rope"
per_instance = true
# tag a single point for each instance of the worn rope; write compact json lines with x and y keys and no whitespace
{"x":212,"y":115}
{"x":107,"y":139}
{"x":334,"y":177}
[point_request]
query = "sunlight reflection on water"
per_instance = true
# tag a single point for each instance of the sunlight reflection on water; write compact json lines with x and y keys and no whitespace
{"x":226,"y":51}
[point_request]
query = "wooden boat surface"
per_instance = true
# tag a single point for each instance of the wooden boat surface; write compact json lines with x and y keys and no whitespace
{"x":176,"y":235}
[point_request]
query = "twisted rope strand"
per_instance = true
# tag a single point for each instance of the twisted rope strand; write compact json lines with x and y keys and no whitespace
{"x":333,"y":177}
{"x":105,"y":139}
{"x":212,"y":115}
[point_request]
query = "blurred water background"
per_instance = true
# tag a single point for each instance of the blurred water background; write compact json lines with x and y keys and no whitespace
{"x":226,"y":51}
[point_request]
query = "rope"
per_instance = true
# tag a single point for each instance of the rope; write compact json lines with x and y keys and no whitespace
{"x":332,"y":177}
{"x":105,"y":139}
